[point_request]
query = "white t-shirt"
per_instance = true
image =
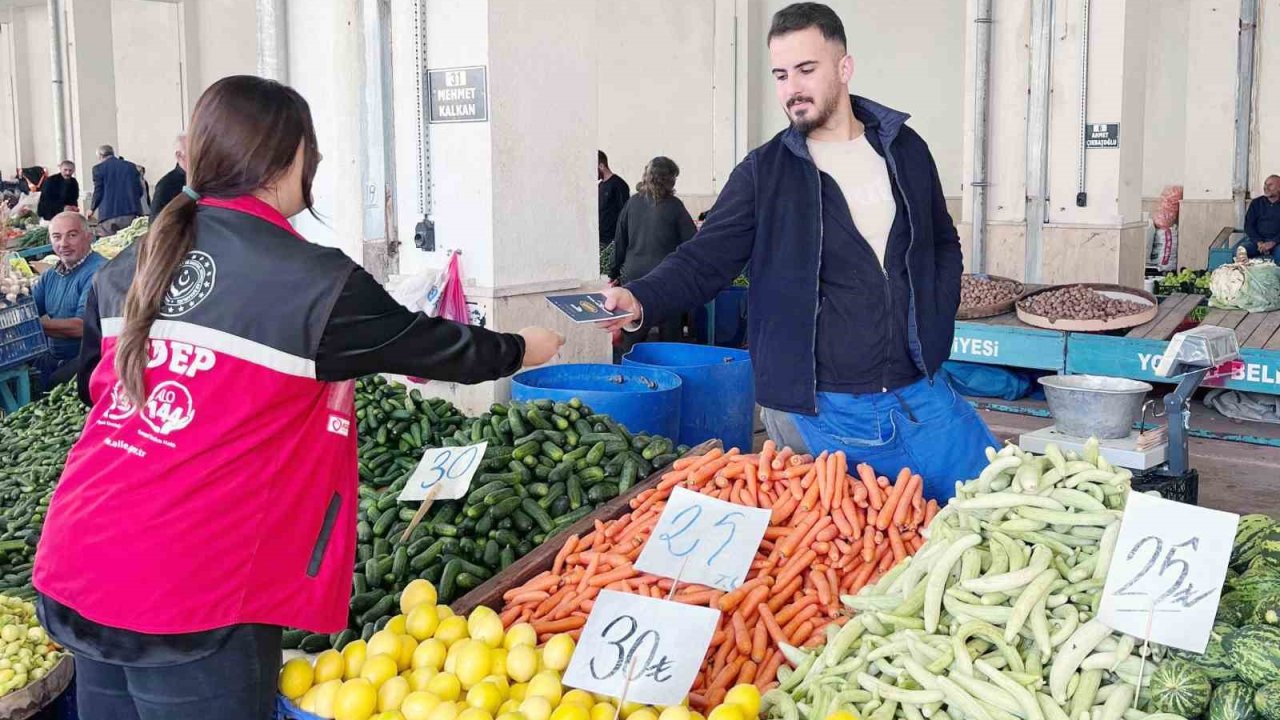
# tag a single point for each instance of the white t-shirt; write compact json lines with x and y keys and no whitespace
{"x":863,"y":178}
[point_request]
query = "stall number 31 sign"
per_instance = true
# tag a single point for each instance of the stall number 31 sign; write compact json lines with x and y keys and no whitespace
{"x":659,"y":644}
{"x":704,"y":541}
{"x":1167,"y":571}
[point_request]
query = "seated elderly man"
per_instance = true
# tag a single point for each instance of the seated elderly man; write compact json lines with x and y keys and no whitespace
{"x":1262,"y":221}
{"x":60,"y":295}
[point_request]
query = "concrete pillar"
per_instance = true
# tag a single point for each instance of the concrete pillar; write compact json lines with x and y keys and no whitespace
{"x":1007,"y":137}
{"x":1213,"y":31}
{"x":92,"y":83}
{"x":1266,"y":143}
{"x":348,"y":160}
{"x":1103,"y":241}
{"x":516,"y":194}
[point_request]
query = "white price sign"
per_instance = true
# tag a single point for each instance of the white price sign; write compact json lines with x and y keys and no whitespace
{"x":713,"y":541}
{"x":1167,"y":571}
{"x":449,"y":467}
{"x":661,"y":643}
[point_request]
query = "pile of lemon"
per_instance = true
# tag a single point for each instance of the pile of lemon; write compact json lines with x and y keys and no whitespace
{"x":429,"y":664}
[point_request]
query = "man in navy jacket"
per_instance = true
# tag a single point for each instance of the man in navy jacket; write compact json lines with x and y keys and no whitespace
{"x":1262,"y":221}
{"x":855,"y":271}
{"x":117,"y":191}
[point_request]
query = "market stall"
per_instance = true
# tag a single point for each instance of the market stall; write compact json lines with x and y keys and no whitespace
{"x":856,"y":596}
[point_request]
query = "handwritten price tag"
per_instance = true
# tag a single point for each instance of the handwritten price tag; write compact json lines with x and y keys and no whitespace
{"x":450,"y":467}
{"x":666,"y":641}
{"x":713,"y":540}
{"x":1167,"y":571}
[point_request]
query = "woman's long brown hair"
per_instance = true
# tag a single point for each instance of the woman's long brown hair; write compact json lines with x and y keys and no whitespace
{"x":659,"y":180}
{"x":245,"y":133}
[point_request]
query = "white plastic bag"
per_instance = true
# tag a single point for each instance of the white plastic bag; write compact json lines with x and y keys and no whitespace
{"x":421,"y":292}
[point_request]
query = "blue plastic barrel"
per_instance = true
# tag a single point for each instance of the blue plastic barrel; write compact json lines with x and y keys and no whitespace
{"x":643,"y":399}
{"x":719,"y":396}
{"x":730,"y":320}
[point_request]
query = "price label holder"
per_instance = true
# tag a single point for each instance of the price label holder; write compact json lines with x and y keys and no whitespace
{"x":664,"y":642}
{"x":1167,"y":571}
{"x":450,"y":468}
{"x":713,"y":540}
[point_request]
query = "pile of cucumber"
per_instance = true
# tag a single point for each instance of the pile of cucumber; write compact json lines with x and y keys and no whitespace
{"x":547,"y":465}
{"x":34,"y":442}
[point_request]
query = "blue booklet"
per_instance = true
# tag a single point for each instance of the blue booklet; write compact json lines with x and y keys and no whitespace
{"x":585,"y":308}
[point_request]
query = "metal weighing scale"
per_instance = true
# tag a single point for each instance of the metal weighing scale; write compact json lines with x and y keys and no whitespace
{"x":1157,"y":455}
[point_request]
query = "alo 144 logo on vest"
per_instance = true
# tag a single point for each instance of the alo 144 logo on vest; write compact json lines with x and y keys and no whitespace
{"x":168,"y":408}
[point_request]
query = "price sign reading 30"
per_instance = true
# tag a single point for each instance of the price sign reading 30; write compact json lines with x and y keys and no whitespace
{"x":665,"y":640}
{"x":1167,"y":571}
{"x":712,"y":540}
{"x":450,"y":467}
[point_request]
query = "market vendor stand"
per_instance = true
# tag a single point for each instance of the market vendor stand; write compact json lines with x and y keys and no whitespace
{"x":1134,"y":354}
{"x":540,"y":560}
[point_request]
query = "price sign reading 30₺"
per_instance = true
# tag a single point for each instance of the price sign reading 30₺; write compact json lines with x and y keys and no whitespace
{"x":666,"y":641}
{"x":450,"y":467}
{"x":1167,"y":571}
{"x":712,"y":540}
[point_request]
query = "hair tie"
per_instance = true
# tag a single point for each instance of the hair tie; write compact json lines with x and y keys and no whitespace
{"x":189,"y":192}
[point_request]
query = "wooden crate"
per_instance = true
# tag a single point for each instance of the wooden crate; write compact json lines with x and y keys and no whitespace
{"x":541,"y":558}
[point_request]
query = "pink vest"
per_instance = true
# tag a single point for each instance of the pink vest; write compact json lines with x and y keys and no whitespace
{"x":229,"y":496}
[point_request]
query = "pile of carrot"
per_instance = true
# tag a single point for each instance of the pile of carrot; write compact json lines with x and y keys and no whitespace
{"x":830,"y":534}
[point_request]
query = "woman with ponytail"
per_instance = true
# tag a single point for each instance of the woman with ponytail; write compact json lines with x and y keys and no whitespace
{"x":211,"y":500}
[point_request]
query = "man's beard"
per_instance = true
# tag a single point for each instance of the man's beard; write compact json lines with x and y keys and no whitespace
{"x":816,"y":117}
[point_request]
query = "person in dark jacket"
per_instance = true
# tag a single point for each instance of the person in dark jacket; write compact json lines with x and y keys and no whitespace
{"x":653,"y":224}
{"x":60,"y":192}
{"x":613,"y":192}
{"x":171,"y":184}
{"x":855,"y":272}
{"x":117,"y":191}
{"x":1262,"y":221}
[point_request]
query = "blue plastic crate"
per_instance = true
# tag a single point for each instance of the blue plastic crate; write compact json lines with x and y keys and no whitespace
{"x":21,"y":336}
{"x":286,"y":710}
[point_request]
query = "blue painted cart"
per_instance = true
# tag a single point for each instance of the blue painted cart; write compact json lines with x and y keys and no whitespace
{"x":1006,"y":340}
{"x":1134,"y":355}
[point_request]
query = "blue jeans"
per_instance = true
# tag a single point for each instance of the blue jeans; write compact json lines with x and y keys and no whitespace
{"x":925,"y":426}
{"x":236,"y":682}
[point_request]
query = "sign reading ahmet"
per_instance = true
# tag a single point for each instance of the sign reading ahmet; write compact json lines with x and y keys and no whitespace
{"x":458,"y":95}
{"x":1102,"y":135}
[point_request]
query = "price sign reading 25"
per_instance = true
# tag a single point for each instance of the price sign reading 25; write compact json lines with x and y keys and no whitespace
{"x":451,"y":468}
{"x":1166,"y":573}
{"x":661,"y":644}
{"x":704,"y":540}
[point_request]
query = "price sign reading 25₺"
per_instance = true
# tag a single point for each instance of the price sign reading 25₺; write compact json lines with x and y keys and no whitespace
{"x":1167,"y":570}
{"x":450,"y":467}
{"x":666,"y":641}
{"x":712,"y":540}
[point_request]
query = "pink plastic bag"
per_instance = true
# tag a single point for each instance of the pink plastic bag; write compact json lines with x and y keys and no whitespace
{"x":453,"y":301}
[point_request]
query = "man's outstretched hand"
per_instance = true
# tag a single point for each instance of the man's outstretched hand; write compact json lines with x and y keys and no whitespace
{"x":620,"y":299}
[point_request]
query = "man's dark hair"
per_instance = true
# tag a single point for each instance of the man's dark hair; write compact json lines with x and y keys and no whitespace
{"x":805,"y":15}
{"x":601,"y":158}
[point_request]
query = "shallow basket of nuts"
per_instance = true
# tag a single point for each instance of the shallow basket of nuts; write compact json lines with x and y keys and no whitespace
{"x":1087,"y":307}
{"x":983,"y":296}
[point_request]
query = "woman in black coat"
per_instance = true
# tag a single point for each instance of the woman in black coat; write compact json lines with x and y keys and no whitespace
{"x":654,"y":222}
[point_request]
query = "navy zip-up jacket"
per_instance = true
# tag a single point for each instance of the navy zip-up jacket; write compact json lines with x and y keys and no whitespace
{"x":773,"y":212}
